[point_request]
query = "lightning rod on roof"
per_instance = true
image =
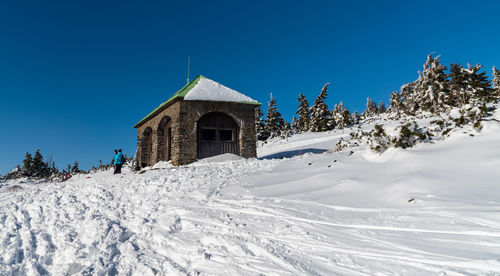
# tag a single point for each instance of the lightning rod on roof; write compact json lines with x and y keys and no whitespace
{"x":189,"y":62}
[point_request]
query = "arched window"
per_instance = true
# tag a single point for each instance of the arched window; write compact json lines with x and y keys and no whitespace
{"x":164,"y":136}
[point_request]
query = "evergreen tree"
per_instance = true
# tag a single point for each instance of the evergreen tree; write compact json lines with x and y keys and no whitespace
{"x":356,"y":117}
{"x":479,"y":84}
{"x":274,"y":122}
{"x":260,"y":125}
{"x":458,"y":86}
{"x":38,"y":166}
{"x":320,"y":115}
{"x":432,"y":85}
{"x":303,"y":114}
{"x":27,"y":162}
{"x":294,"y":125}
{"x":381,"y":108}
{"x":53,"y":170}
{"x":371,"y":108}
{"x":496,"y":78}
{"x":75,"y":168}
{"x":287,"y":130}
{"x":409,"y":103}
{"x":345,"y":116}
{"x":496,"y":82}
{"x":396,"y":105}
{"x":336,"y":116}
{"x":469,"y":85}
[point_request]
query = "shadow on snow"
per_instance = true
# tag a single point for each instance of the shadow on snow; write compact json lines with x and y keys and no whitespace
{"x":292,"y":153}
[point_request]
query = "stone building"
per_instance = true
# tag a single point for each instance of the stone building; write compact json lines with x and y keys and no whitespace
{"x":202,"y":119}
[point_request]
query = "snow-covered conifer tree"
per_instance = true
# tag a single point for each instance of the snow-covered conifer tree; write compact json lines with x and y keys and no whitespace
{"x":432,"y":85}
{"x":320,"y":115}
{"x":335,"y":117}
{"x":381,"y":108}
{"x":345,"y":116}
{"x":496,"y":82}
{"x":356,"y":117}
{"x":496,"y":78}
{"x":304,"y":117}
{"x":458,"y":86}
{"x":294,"y":125}
{"x":469,"y":85}
{"x":287,"y":130}
{"x":75,"y":168}
{"x":274,"y":122}
{"x":409,"y":104}
{"x":371,"y":108}
{"x":395,"y":105}
{"x":38,"y":166}
{"x":479,"y":84}
{"x":260,"y":125}
{"x":27,"y":162}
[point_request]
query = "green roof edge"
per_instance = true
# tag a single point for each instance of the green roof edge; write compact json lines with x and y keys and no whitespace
{"x":180,"y":93}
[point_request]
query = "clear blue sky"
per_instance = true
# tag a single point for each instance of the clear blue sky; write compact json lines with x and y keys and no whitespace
{"x":76,"y":75}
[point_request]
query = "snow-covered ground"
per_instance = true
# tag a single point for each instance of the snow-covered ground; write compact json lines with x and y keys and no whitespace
{"x":300,"y":209}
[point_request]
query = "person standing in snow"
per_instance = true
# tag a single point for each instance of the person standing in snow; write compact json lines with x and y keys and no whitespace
{"x":118,"y":161}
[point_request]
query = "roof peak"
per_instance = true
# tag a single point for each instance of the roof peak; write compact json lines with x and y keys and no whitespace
{"x":209,"y":90}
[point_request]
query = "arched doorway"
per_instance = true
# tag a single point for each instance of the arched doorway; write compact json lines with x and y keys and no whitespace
{"x":164,"y":136}
{"x":217,"y":134}
{"x":146,"y":147}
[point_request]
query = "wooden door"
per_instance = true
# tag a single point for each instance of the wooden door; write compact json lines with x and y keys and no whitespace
{"x":217,"y":134}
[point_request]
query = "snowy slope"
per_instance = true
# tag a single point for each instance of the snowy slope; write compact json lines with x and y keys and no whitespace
{"x":299,"y":209}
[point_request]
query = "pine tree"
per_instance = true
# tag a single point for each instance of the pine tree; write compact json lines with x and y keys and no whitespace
{"x":75,"y":168}
{"x":345,"y":116}
{"x":371,"y":108}
{"x":479,"y":84}
{"x":294,"y":125}
{"x":320,"y":115}
{"x":274,"y":122}
{"x":458,"y":86}
{"x":432,"y":85}
{"x":381,"y":108}
{"x":287,"y":130}
{"x":27,"y":162}
{"x":356,"y":117}
{"x":38,"y":166}
{"x":303,"y":114}
{"x":395,"y":103}
{"x":260,"y":125}
{"x":469,"y":85}
{"x":496,"y":82}
{"x":409,"y":103}
{"x":336,"y":117}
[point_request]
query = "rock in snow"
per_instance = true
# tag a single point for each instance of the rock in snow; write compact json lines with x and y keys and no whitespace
{"x":430,"y":210}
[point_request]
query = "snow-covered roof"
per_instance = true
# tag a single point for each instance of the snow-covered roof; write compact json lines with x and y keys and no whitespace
{"x":209,"y":90}
{"x":203,"y":89}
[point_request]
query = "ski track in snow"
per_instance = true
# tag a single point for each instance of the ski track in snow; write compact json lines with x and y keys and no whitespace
{"x":236,"y":218}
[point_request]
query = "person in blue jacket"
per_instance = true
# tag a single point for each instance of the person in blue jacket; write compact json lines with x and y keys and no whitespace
{"x":118,"y":161}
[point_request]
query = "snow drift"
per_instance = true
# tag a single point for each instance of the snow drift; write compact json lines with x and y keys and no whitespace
{"x":299,"y":209}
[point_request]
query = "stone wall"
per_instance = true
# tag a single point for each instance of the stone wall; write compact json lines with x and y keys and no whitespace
{"x":192,"y":111}
{"x":184,"y":116}
{"x":172,"y":111}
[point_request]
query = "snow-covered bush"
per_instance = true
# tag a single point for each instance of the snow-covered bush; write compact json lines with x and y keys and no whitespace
{"x":378,"y":140}
{"x":409,"y":135}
